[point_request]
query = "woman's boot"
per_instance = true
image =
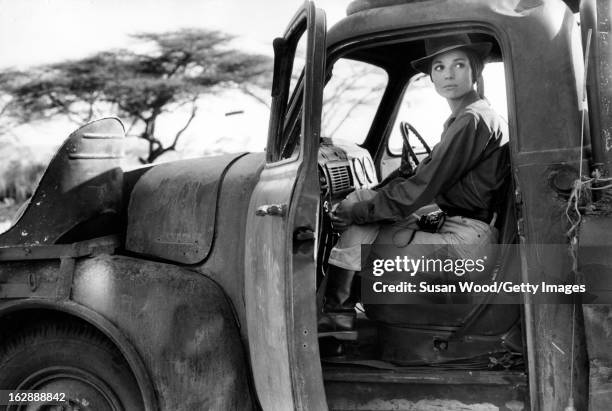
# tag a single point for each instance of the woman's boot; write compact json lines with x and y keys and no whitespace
{"x":340,"y":299}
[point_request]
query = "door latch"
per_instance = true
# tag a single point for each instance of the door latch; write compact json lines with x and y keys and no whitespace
{"x":271,"y":209}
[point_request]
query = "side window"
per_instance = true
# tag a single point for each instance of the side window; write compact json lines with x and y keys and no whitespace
{"x":292,"y":126}
{"x":297,"y":71}
{"x":283,"y":140}
{"x":350,"y":100}
{"x":426,"y":111}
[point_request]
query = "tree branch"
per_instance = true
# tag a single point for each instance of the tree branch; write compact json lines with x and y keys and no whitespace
{"x":350,"y":110}
{"x":249,"y":92}
{"x":65,"y":109}
{"x":134,"y":121}
{"x":194,"y":109}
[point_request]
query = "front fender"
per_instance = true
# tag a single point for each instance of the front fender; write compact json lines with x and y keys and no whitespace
{"x":181,"y":324}
{"x":173,"y":207}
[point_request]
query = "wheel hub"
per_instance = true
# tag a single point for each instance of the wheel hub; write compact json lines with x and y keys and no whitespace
{"x":82,"y":391}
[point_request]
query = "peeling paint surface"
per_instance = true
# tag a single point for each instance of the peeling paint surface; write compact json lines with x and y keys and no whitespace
{"x":180,"y":323}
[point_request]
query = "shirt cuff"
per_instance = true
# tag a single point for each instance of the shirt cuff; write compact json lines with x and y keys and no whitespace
{"x":360,"y":212}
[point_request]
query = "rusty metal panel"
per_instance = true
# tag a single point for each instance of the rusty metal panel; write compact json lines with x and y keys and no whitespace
{"x":33,"y":279}
{"x":46,"y":271}
{"x":106,"y":244}
{"x":180,"y":323}
{"x":172,"y":209}
{"x":225,"y":264}
{"x":360,"y":5}
{"x":82,"y":181}
{"x":596,"y":268}
{"x":595,"y":15}
{"x":598,"y":323}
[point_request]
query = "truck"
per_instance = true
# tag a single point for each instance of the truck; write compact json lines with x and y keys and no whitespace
{"x":196,"y":284}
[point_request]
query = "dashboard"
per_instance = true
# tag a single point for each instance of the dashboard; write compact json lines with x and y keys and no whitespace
{"x":344,"y":167}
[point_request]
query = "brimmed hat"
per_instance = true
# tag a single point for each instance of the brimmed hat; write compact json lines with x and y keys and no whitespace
{"x":439,"y":45}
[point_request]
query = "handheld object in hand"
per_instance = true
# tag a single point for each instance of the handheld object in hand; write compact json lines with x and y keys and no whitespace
{"x":432,"y":222}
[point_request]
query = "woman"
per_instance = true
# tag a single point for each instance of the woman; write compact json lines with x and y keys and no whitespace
{"x":461,"y":176}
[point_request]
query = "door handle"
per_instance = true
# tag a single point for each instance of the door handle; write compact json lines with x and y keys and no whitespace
{"x":271,"y":209}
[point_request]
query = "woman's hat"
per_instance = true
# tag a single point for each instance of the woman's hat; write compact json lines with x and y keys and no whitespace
{"x":439,"y":45}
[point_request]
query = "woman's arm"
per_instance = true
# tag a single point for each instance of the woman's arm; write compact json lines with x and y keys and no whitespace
{"x":460,"y":148}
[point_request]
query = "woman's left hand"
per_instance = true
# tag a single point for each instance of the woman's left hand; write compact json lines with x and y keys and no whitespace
{"x":341,"y":217}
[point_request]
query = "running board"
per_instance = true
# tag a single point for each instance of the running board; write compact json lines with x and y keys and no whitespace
{"x":424,"y":388}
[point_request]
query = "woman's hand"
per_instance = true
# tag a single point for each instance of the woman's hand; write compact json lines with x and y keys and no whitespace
{"x":341,"y":217}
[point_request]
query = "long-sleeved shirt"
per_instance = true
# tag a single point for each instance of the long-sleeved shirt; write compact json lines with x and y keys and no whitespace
{"x":463,"y":171}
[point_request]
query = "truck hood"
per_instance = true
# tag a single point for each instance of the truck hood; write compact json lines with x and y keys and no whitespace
{"x":173,"y":206}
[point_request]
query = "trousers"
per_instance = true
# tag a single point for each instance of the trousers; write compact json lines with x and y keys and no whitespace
{"x":461,"y":232}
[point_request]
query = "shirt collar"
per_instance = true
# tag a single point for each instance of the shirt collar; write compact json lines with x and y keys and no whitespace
{"x":469,"y":98}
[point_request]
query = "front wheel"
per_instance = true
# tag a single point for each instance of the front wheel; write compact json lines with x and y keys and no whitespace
{"x":72,"y":360}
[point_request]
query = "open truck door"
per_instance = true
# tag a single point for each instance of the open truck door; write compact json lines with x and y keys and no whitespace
{"x":280,"y":283}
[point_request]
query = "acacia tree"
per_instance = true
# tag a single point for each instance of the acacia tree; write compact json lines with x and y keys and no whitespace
{"x":178,"y":68}
{"x":6,"y":120}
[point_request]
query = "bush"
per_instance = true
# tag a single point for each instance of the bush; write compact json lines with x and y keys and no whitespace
{"x":19,"y":179}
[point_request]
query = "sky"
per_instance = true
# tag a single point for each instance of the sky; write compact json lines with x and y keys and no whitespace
{"x":43,"y":31}
{"x":34,"y":32}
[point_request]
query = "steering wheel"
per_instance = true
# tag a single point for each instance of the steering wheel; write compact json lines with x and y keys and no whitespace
{"x":410,"y":159}
{"x":326,"y":235}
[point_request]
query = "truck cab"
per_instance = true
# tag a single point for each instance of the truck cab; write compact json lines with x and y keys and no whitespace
{"x":200,"y":280}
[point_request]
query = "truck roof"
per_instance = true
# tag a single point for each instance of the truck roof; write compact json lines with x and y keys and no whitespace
{"x":359,"y":5}
{"x":367,"y":18}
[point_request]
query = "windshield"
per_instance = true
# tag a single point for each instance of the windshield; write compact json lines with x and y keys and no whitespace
{"x":350,"y":100}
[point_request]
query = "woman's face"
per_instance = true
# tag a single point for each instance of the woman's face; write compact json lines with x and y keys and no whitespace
{"x":451,"y":74}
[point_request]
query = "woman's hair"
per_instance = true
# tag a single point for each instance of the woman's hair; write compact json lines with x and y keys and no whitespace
{"x":476,"y":63}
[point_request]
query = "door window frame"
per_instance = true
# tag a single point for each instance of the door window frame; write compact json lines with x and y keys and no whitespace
{"x":287,"y":109}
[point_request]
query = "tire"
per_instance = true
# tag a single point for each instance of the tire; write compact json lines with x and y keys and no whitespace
{"x":73,"y":359}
